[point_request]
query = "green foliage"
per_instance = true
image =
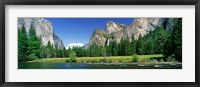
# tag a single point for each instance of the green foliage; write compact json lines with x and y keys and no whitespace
{"x":177,"y":39}
{"x":173,"y":45}
{"x":32,"y":57}
{"x":110,"y":59}
{"x":133,"y":44}
{"x":34,"y":43}
{"x":171,"y":58}
{"x":135,"y":58}
{"x":114,"y":48}
{"x":72,"y":56}
{"x":152,"y":43}
{"x":140,"y":48}
{"x":22,"y":44}
{"x":160,"y":39}
{"x":103,"y":52}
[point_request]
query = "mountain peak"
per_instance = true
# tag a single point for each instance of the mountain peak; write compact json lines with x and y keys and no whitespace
{"x":140,"y":26}
{"x":44,"y":29}
{"x":112,"y":27}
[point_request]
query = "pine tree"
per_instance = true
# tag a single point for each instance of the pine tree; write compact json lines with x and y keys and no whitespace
{"x":34,"y":44}
{"x":43,"y":52}
{"x":140,"y":45}
{"x":57,"y":54}
{"x":127,"y":46}
{"x":161,"y":38}
{"x":177,"y":39}
{"x":22,"y":44}
{"x":103,"y":52}
{"x":64,"y":52}
{"x":133,"y":44}
{"x":49,"y":50}
{"x":173,"y":45}
{"x":114,"y":48}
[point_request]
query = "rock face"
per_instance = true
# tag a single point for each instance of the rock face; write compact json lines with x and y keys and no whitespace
{"x":43,"y":28}
{"x":57,"y":41}
{"x":140,"y":26}
{"x":98,"y":37}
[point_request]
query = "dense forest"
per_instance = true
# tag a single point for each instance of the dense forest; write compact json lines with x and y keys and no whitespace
{"x":158,"y":41}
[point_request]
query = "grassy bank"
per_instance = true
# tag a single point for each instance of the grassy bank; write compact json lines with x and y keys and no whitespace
{"x":114,"y":59}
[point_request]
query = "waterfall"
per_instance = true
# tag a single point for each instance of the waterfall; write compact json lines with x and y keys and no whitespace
{"x":108,"y":42}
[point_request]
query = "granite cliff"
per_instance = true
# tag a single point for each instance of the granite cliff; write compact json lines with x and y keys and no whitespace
{"x":43,"y":28}
{"x":117,"y":31}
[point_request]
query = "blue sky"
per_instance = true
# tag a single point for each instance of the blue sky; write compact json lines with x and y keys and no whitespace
{"x":79,"y":30}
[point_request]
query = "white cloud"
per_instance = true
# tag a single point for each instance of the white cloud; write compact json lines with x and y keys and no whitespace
{"x":74,"y":45}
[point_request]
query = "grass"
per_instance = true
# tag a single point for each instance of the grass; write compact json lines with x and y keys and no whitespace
{"x":115,"y":59}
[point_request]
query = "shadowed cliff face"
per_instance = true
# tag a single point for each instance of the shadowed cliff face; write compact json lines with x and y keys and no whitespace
{"x":43,"y":28}
{"x":117,"y":31}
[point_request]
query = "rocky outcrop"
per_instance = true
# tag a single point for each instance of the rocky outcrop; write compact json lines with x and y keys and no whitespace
{"x":57,"y":41}
{"x":140,"y":26}
{"x":99,"y":37}
{"x":114,"y":27}
{"x":43,"y":28}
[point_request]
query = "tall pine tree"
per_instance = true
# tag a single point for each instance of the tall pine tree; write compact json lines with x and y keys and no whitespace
{"x":34,"y":44}
{"x":22,"y":44}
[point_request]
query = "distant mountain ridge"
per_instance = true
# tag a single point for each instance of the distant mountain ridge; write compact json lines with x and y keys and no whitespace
{"x":44,"y":29}
{"x":117,"y":31}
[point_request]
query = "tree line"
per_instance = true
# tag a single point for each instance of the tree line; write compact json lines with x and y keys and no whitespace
{"x":155,"y":42}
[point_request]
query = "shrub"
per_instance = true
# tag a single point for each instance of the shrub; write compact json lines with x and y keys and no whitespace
{"x":135,"y":58}
{"x":161,"y":60}
{"x":67,"y":60}
{"x":72,"y":56}
{"x":171,"y":58}
{"x":109,"y":61}
{"x":32,"y":57}
{"x":103,"y":60}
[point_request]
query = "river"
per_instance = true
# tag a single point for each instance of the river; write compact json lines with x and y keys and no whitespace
{"x":36,"y":65}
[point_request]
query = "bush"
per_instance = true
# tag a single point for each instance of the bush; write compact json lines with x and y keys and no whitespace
{"x":170,"y":59}
{"x":109,"y":61}
{"x":135,"y":58}
{"x":161,"y":60}
{"x":72,"y":56}
{"x":67,"y":60}
{"x":32,"y":57}
{"x":103,"y":60}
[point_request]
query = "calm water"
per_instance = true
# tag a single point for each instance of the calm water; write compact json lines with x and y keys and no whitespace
{"x":33,"y":65}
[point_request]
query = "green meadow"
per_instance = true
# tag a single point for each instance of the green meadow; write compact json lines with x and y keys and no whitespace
{"x":111,"y":59}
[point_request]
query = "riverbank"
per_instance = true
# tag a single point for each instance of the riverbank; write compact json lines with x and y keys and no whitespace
{"x":111,"y":62}
{"x":54,"y":65}
{"x":110,"y":59}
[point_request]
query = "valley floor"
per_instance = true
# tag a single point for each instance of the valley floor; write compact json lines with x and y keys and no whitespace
{"x":111,"y":62}
{"x":109,"y":59}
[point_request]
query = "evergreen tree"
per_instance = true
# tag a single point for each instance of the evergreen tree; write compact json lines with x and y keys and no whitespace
{"x":127,"y":46}
{"x":103,"y":52}
{"x":57,"y":54}
{"x":160,"y":39}
{"x":64,"y":52}
{"x":133,"y":44}
{"x":34,"y":44}
{"x":177,"y":39}
{"x":140,"y":47}
{"x":49,"y":50}
{"x":43,"y":52}
{"x":122,"y":47}
{"x":114,"y":48}
{"x":173,"y":46}
{"x":22,"y":44}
